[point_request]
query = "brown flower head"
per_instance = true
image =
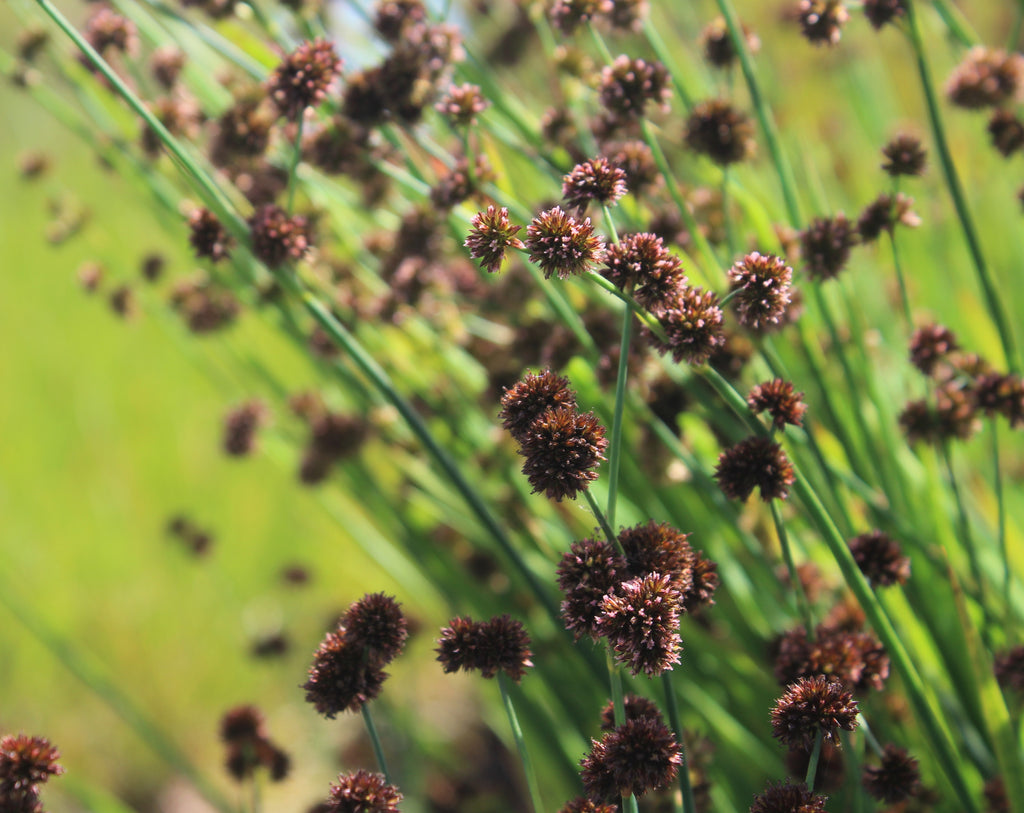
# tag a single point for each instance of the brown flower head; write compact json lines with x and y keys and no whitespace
{"x":821,"y":21}
{"x":562,"y":245}
{"x":208,"y":237}
{"x":896,"y":779}
{"x":242,"y":730}
{"x":880,"y":558}
{"x":278,"y":237}
{"x":930,"y":345}
{"x":598,"y":180}
{"x":721,"y":132}
{"x":1007,"y":132}
{"x":165,"y":64}
{"x":462,"y":104}
{"x":498,"y":645}
{"x":1009,"y":669}
{"x":491,"y":236}
{"x":106,"y":30}
{"x":704,"y":583}
{"x":25,"y":763}
{"x":302,"y":78}
{"x":658,"y":548}
{"x":627,"y":15}
{"x":640,"y":619}
{"x":904,"y":155}
{"x":30,"y":42}
{"x":363,"y":792}
{"x":788,"y":798}
{"x":243,"y":131}
{"x":240,"y":427}
{"x":717,"y":46}
{"x":642,"y":263}
{"x":754,"y":463}
{"x":586,"y":573}
{"x":777,"y":398}
{"x":838,"y":651}
{"x":693,"y":327}
{"x":811,"y":705}
{"x":884,"y":213}
{"x":986,"y":77}
{"x":637,"y":161}
{"x":627,"y":85}
{"x":376,"y":624}
{"x":998,"y":394}
{"x":639,"y":756}
{"x":568,"y":15}
{"x":825,"y":245}
{"x":530,"y":398}
{"x":341,"y":677}
{"x":635,"y":706}
{"x":763,"y":286}
{"x":395,"y":17}
{"x":880,"y":12}
{"x":562,"y":447}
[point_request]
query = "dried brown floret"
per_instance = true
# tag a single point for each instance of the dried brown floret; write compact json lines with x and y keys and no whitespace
{"x":762,"y":289}
{"x":561,"y":245}
{"x":788,"y":798}
{"x":530,"y":398}
{"x":627,"y":85}
{"x":303,"y":77}
{"x":880,"y":558}
{"x":363,"y":792}
{"x":896,"y":779}
{"x":721,"y":132}
{"x":639,"y":756}
{"x":884,"y":213}
{"x":998,"y":394}
{"x":278,"y":237}
{"x":838,"y":650}
{"x":376,"y":624}
{"x":635,"y":706}
{"x":340,"y":678}
{"x":778,"y":399}
{"x":986,"y":77}
{"x":754,"y":463}
{"x":240,"y":426}
{"x":657,"y":547}
{"x":880,"y":12}
{"x":821,"y":21}
{"x":642,"y":263}
{"x":462,"y":104}
{"x":692,"y":325}
{"x":562,"y":447}
{"x":640,"y":619}
{"x":904,"y":155}
{"x":812,"y":705}
{"x":1007,"y":132}
{"x":498,"y":645}
{"x":825,"y":245}
{"x":597,"y":180}
{"x":587,"y":572}
{"x":717,"y":45}
{"x":491,"y":236}
{"x":568,"y":15}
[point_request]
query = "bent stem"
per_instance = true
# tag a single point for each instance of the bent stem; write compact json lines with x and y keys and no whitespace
{"x":517,"y":734}
{"x":378,"y":750}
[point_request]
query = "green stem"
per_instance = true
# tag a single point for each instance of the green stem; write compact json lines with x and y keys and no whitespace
{"x":869,"y":735}
{"x":730,"y":227}
{"x":685,"y":787}
{"x":794,"y":576}
{"x":1004,"y":553}
{"x":699,"y":240}
{"x":615,"y":442}
{"x":812,"y":763}
{"x":619,"y":711}
{"x":293,"y":180}
{"x":993,"y":300}
{"x":956,"y":23}
{"x":255,"y":787}
{"x":517,"y":734}
{"x":602,"y":520}
{"x":761,"y":109}
{"x":665,"y":56}
{"x":901,"y":280}
{"x":378,"y":750}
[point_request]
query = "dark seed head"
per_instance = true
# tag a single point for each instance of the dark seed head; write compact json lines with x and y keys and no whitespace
{"x":825,"y":245}
{"x":597,"y":180}
{"x":562,"y":448}
{"x":788,"y":798}
{"x":895,"y":779}
{"x":639,"y":756}
{"x":904,"y":155}
{"x":530,"y":398}
{"x":586,"y":574}
{"x":880,"y":558}
{"x":561,"y":245}
{"x":754,"y":463}
{"x":811,"y":705}
{"x":640,"y":619}
{"x":778,"y":399}
{"x":363,"y":792}
{"x":721,"y":132}
{"x":302,"y":79}
{"x":763,"y":289}
{"x":821,"y":21}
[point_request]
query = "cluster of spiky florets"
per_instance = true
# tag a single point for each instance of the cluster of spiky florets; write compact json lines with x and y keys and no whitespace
{"x":628,"y":85}
{"x":880,"y":558}
{"x":641,"y":263}
{"x":333,"y":436}
{"x":897,"y":777}
{"x":717,"y":45}
{"x":278,"y":237}
{"x":635,"y":598}
{"x":788,"y":798}
{"x":362,"y":792}
{"x":756,"y":462}
{"x":303,"y":77}
{"x":840,"y":650}
{"x":488,"y":647}
{"x":561,"y":446}
{"x":639,"y":756}
{"x":822,"y":21}
{"x":598,"y":180}
{"x":1007,"y":132}
{"x":904,"y":155}
{"x":208,"y":237}
{"x":881,"y":12}
{"x":25,"y":764}
{"x":692,"y":325}
{"x":561,"y":245}
{"x":568,"y":15}
{"x":204,"y":305}
{"x":825,"y":245}
{"x":884,"y":213}
{"x":762,"y":289}
{"x":241,"y":425}
{"x":986,"y":78}
{"x":347,"y":668}
{"x":461,"y":104}
{"x":106,"y":30}
{"x":721,"y":132}
{"x":491,"y":236}
{"x":395,"y":17}
{"x":244,"y":734}
{"x":810,"y":706}
{"x":778,"y":399}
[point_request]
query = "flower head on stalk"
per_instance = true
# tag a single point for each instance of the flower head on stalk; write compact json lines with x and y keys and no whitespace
{"x":821,"y":21}
{"x":208,"y":237}
{"x":987,"y":77}
{"x":363,"y":792}
{"x":488,"y":647}
{"x":904,"y":155}
{"x":778,"y":399}
{"x":895,"y":779}
{"x":588,"y":571}
{"x":640,"y":619}
{"x":595,"y":181}
{"x":530,"y":398}
{"x":562,"y":447}
{"x":639,"y":756}
{"x":788,"y":798}
{"x":721,"y":132}
{"x":561,"y":245}
{"x":880,"y":558}
{"x":763,"y":289}
{"x":461,"y":104}
{"x":491,"y":236}
{"x":754,"y":463}
{"x":643,"y":263}
{"x":627,"y":85}
{"x":303,"y":77}
{"x":692,"y":325}
{"x":825,"y":245}
{"x":812,"y":705}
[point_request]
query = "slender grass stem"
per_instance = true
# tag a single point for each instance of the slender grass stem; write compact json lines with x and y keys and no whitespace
{"x":763,"y":112}
{"x":685,"y":787}
{"x":869,"y":735}
{"x":254,"y":783}
{"x":621,"y":378}
{"x":517,"y":735}
{"x":994,"y":302}
{"x":812,"y":763}
{"x":378,"y":750}
{"x":663,"y":53}
{"x":293,"y":170}
{"x":699,"y":240}
{"x":956,"y":23}
{"x":794,"y":576}
{"x":1004,"y":552}
{"x":730,"y":226}
{"x":901,"y":280}
{"x":602,"y":520}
